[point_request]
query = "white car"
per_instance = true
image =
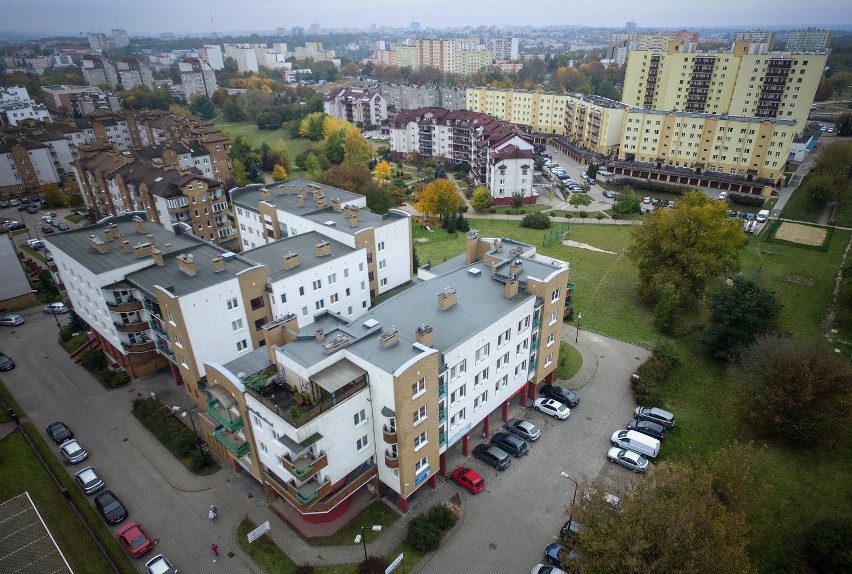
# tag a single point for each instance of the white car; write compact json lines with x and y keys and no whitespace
{"x":36,"y":244}
{"x":723,"y":195}
{"x":159,"y":565}
{"x":73,"y":451}
{"x":552,"y":408}
{"x":56,"y":309}
{"x":545,"y":569}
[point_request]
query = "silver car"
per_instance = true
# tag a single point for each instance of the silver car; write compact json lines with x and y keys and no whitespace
{"x":628,"y":459}
{"x":73,"y":451}
{"x":12,"y":320}
{"x":159,"y":565}
{"x":89,"y":480}
{"x":524,"y":429}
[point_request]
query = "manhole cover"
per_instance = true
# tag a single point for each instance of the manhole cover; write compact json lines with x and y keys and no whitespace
{"x":124,"y":439}
{"x":492,"y":546}
{"x":588,"y":418}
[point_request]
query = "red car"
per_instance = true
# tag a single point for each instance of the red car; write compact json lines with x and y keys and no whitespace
{"x":134,"y":539}
{"x":469,"y":479}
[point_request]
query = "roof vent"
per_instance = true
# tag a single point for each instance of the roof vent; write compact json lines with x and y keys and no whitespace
{"x":474,"y":272}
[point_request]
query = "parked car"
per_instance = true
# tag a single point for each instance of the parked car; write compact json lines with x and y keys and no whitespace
{"x":46,"y":229}
{"x":552,"y":408}
{"x":733,"y":214}
{"x":722,"y":195}
{"x":56,"y":309}
{"x":134,"y":539}
{"x":23,"y":206}
{"x":469,"y":478}
{"x":628,"y":459}
{"x":608,"y":194}
{"x":524,"y":429}
{"x":54,"y":222}
{"x":89,"y":480}
{"x":11,"y":320}
{"x":561,"y":394}
{"x":32,"y":209}
{"x":73,"y":451}
{"x":14,"y":225}
{"x":159,"y":565}
{"x":62,"y":227}
{"x":546,"y":569}
{"x":4,"y":204}
{"x":637,"y":442}
{"x":556,"y":554}
{"x":655,"y":430}
{"x":646,"y":200}
{"x":743,"y":214}
{"x":570,"y":530}
{"x":510,"y":443}
{"x":14,"y":202}
{"x":110,"y":507}
{"x":36,"y":244}
{"x":655,"y":415}
{"x":59,"y":432}
{"x":492,"y":455}
{"x":6,"y":364}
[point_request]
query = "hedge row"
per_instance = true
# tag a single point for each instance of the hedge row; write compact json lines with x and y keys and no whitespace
{"x":164,"y":425}
{"x":651,"y":376}
{"x":425,"y":531}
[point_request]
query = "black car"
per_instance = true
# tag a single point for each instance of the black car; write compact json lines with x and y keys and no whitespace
{"x":14,"y":225}
{"x":46,"y":229}
{"x":649,"y":428}
{"x":510,"y":443}
{"x":561,"y":394}
{"x":32,"y":209}
{"x":22,"y":206}
{"x":110,"y":507}
{"x":6,"y":364}
{"x":62,"y":227}
{"x":59,"y":432}
{"x":733,"y":214}
{"x":570,"y":530}
{"x":492,"y":455}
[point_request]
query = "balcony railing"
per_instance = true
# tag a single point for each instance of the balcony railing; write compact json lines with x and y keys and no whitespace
{"x":234,"y":443}
{"x":224,"y":416}
{"x":134,"y":327}
{"x":389,"y":434}
{"x":125,"y":305}
{"x":139,"y":347}
{"x":304,"y":467}
{"x":442,"y":414}
{"x":391,"y":459}
{"x":299,"y":496}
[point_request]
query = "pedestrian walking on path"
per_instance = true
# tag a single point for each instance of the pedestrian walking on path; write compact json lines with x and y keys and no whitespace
{"x":215,"y":549}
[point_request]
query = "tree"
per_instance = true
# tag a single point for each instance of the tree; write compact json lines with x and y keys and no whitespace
{"x":481,"y":199}
{"x":279,"y":173}
{"x":793,"y":390}
{"x":353,"y":178}
{"x":517,"y":200}
{"x":626,"y":201}
{"x":739,"y":314}
{"x":52,"y":195}
{"x":824,"y":91}
{"x":331,"y":125}
{"x":687,"y":246}
{"x":439,"y":197}
{"x":669,"y":522}
{"x":238,"y":172}
{"x":440,"y":172}
{"x":333,"y":146}
{"x":382,"y":197}
{"x":382,"y":171}
{"x":665,"y":313}
{"x":178,"y":110}
{"x":536,"y":221}
{"x":252,"y":103}
{"x":201,"y":106}
{"x":844,"y":124}
{"x":312,"y":165}
{"x":578,"y":199}
{"x":311,"y":126}
{"x":828,"y":549}
{"x":820,"y":188}
{"x":356,"y":149}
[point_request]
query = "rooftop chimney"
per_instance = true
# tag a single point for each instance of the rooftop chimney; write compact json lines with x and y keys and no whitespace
{"x":389,"y":338}
{"x":138,"y":224}
{"x":168,"y":247}
{"x":157,"y":255}
{"x":471,"y":247}
{"x":353,"y":215}
{"x":320,"y":199}
{"x":291,"y":260}
{"x":218,"y":264}
{"x":515,"y":266}
{"x":99,"y":244}
{"x":322,"y":248}
{"x":510,"y":289}
{"x":141,"y":250}
{"x":447,"y":298}
{"x":319,"y":334}
{"x":186,"y":264}
{"x":301,"y":198}
{"x":151,"y":239}
{"x":265,"y":195}
{"x":125,"y":245}
{"x":335,"y":204}
{"x":423,"y":335}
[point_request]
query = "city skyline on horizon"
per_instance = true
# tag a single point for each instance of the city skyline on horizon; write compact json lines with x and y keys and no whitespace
{"x":222,"y":17}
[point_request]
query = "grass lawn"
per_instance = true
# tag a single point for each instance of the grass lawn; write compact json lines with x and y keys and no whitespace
{"x":36,"y":254}
{"x":75,"y":218}
{"x":376,"y":513}
{"x":256,"y":137}
{"x":569,"y":362}
{"x":73,"y":343}
{"x":800,"y":208}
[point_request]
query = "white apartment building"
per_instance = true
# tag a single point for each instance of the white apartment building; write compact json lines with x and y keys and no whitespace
{"x":197,"y":77}
{"x":359,"y":106}
{"x":212,"y":54}
{"x":134,"y":72}
{"x":245,"y":56}
{"x":98,"y":71}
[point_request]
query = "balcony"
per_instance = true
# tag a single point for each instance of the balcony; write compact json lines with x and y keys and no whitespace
{"x":143,"y":347}
{"x":125,"y":305}
{"x":302,"y":497}
{"x":442,"y":390}
{"x":134,"y":327}
{"x":306,"y":466}
{"x":389,"y":434}
{"x":391,"y":459}
{"x":234,"y":443}
{"x":442,"y":414}
{"x":442,"y":437}
{"x":225,"y":416}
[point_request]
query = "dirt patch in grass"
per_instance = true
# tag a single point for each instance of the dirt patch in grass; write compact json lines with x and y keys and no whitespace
{"x":798,"y":233}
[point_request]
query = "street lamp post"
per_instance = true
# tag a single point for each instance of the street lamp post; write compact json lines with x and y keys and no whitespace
{"x":198,"y":441}
{"x":55,"y":318}
{"x":573,"y":500}
{"x":577,"y":337}
{"x":363,"y":540}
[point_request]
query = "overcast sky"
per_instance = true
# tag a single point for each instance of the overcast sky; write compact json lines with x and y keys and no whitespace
{"x":205,"y":16}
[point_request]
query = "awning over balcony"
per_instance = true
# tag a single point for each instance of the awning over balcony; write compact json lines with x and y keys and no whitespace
{"x":338,"y":375}
{"x":298,"y":447}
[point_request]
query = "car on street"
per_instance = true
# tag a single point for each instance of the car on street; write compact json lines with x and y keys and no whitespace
{"x":556,"y":554}
{"x":492,"y":455}
{"x":561,"y":394}
{"x":570,"y":530}
{"x":73,"y":451}
{"x":608,"y":194}
{"x":110,"y":507}
{"x":59,"y":432}
{"x":36,"y":244}
{"x":6,"y":364}
{"x":524,"y":429}
{"x":89,"y":480}
{"x":552,"y":408}
{"x":655,"y":415}
{"x":628,"y":459}
{"x":11,"y":320}
{"x":655,"y":430}
{"x":134,"y":539}
{"x":469,"y":479}
{"x":722,"y":195}
{"x":546,"y":569}
{"x":46,"y":229}
{"x":56,"y":309}
{"x":510,"y":443}
{"x":159,"y":565}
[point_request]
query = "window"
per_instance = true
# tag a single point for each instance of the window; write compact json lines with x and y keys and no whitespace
{"x":482,"y":352}
{"x":348,"y":292}
{"x":380,"y":246}
{"x":383,"y":282}
{"x":551,"y":339}
{"x":421,"y":465}
{"x":304,"y":311}
{"x":548,"y":360}
{"x":418,"y":388}
{"x":420,"y":441}
{"x":382,"y":264}
{"x":319,"y":304}
{"x":457,"y":419}
{"x":301,"y":291}
{"x":458,"y":370}
{"x":480,"y":378}
{"x":362,"y":443}
{"x":501,"y":383}
{"x":237,"y":325}
{"x":232,"y":304}
{"x":552,"y":318}
{"x":333,"y":299}
{"x":554,"y":297}
{"x":332,"y":279}
{"x":263,"y":448}
{"x":458,"y":394}
{"x":480,"y":400}
{"x":317,"y":284}
{"x":257,"y":303}
{"x":504,"y":338}
{"x":171,"y":318}
{"x":521,"y":369}
{"x":503,"y":361}
{"x":241,"y":345}
{"x":419,"y":415}
{"x":523,"y":324}
{"x":360,"y":417}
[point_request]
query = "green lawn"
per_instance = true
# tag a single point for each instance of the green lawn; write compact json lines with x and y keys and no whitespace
{"x":569,"y":362}
{"x":75,"y":217}
{"x":376,"y":513}
{"x":256,"y":137}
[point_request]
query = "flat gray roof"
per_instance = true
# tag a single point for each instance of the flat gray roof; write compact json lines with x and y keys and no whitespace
{"x":272,"y":254}
{"x":14,"y":281}
{"x":250,"y":363}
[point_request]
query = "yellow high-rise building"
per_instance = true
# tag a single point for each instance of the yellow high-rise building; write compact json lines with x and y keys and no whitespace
{"x":543,"y":111}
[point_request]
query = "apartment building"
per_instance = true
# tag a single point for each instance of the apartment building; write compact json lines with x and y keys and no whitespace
{"x":212,"y":54}
{"x":740,"y":82}
{"x":25,"y":164}
{"x":197,"y":77}
{"x":98,"y":41}
{"x":809,"y":40}
{"x":359,"y":106}
{"x":79,"y":100}
{"x":500,"y":154}
{"x":542,"y":111}
{"x":463,"y":56}
{"x":16,"y":106}
{"x":244,"y":55}
{"x":390,"y":392}
{"x":503,"y":48}
{"x":134,"y":72}
{"x":265,"y":214}
{"x":98,"y":71}
{"x":594,"y":123}
{"x":401,"y":97}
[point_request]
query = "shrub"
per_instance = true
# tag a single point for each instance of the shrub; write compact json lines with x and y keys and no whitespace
{"x":584,"y":214}
{"x":492,"y":210}
{"x":93,"y":360}
{"x":304,"y":569}
{"x":106,"y":378}
{"x":422,"y":536}
{"x":536,"y":221}
{"x":746,"y":199}
{"x":294,"y":412}
{"x":120,"y":379}
{"x":372,"y":565}
{"x":441,"y":517}
{"x":522,"y":211}
{"x":828,"y":548}
{"x":65,"y":336}
{"x":652,"y":375}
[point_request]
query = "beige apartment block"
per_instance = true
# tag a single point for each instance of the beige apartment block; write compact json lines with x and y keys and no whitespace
{"x":543,"y":111}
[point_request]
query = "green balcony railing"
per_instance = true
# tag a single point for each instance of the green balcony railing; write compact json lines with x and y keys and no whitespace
{"x":442,"y":414}
{"x":442,"y":436}
{"x":224,"y":416}
{"x":442,"y":390}
{"x":238,"y":449}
